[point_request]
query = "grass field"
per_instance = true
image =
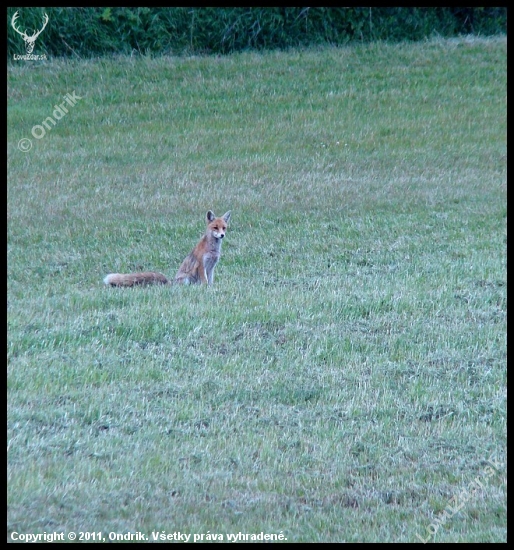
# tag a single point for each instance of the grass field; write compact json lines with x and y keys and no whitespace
{"x":345,"y":377}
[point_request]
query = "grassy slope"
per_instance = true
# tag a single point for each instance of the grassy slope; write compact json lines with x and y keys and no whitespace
{"x":345,"y":377}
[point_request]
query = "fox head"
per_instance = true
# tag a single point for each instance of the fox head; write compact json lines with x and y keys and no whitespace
{"x":217,"y":226}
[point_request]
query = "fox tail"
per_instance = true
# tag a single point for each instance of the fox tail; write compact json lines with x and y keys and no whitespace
{"x":135,"y":279}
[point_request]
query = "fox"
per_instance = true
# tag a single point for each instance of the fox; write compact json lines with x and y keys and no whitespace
{"x":197,"y":267}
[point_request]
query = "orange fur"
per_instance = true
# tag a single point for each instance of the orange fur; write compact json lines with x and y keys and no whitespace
{"x":197,"y":267}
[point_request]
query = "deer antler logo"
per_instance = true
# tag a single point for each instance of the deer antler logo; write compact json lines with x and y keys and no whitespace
{"x":29,"y":40}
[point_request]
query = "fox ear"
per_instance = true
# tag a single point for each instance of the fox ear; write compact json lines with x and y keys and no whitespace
{"x":210,"y":216}
{"x":226,"y":216}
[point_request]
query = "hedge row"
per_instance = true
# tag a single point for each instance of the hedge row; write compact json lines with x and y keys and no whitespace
{"x":88,"y":32}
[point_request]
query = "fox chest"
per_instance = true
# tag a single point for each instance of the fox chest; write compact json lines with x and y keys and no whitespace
{"x":210,"y":259}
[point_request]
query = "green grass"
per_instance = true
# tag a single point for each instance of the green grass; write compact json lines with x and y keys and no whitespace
{"x":344,"y":378}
